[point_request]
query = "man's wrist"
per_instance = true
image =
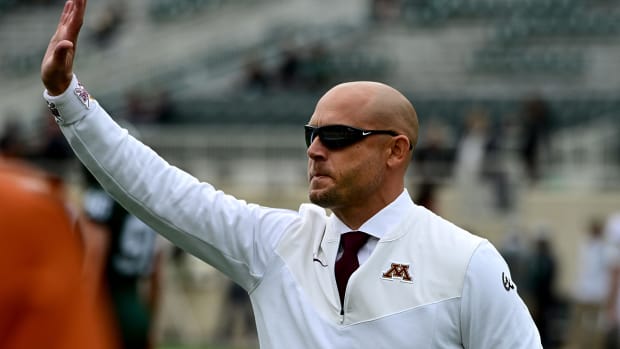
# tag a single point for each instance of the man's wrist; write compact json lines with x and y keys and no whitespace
{"x":58,"y":84}
{"x":70,"y":105}
{"x":54,"y":93}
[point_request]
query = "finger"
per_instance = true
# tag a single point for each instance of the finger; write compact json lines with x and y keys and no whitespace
{"x":79,"y":12}
{"x":66,"y":12}
{"x":60,"y":32}
{"x":76,"y":16}
{"x":80,"y":7}
{"x":61,"y":23}
{"x":71,"y":21}
{"x":57,"y":69}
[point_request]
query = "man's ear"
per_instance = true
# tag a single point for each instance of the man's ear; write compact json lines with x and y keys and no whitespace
{"x":400,"y":151}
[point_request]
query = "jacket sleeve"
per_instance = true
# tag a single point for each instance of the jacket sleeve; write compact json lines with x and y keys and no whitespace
{"x":493,"y":315}
{"x":235,"y":237}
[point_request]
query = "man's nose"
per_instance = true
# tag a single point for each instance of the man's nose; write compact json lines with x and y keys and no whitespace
{"x":316,"y":149}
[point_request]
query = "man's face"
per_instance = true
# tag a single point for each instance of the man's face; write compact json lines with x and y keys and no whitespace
{"x":349,"y":176}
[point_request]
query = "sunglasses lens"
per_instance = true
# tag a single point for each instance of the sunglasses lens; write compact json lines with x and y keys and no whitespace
{"x":337,"y":136}
{"x":333,"y":137}
{"x":310,"y":134}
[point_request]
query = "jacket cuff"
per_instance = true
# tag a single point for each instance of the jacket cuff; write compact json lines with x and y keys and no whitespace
{"x":72,"y":105}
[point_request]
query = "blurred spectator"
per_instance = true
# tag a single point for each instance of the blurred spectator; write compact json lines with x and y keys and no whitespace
{"x":48,"y":147}
{"x":132,"y":265}
{"x":590,"y":290}
{"x":53,"y":145}
{"x":256,"y":79}
{"x":147,"y":107}
{"x":137,"y":108}
{"x":433,"y":161}
{"x":315,"y":68}
{"x":289,"y":69}
{"x":164,"y":108}
{"x":298,"y":69}
{"x":385,"y":10}
{"x":107,"y":23}
{"x":542,"y":272}
{"x":470,"y":155}
{"x":516,"y":251}
{"x":426,"y":195}
{"x":49,"y":298}
{"x":496,"y":169}
{"x":237,"y":326}
{"x":536,"y":128}
{"x":612,"y":235}
{"x":434,"y":157}
{"x":11,"y":142}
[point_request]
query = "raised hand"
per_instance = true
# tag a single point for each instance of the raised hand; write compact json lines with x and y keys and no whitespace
{"x":57,"y":64}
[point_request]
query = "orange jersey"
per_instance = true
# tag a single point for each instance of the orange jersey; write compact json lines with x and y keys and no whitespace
{"x":45,"y":299}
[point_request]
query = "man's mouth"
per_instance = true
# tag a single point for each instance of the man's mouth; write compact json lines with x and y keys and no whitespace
{"x":318,"y":176}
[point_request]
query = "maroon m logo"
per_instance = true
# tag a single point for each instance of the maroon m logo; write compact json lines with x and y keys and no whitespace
{"x":398,"y":271}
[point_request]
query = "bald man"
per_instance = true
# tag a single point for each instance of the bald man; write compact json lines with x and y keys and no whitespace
{"x":417,"y":280}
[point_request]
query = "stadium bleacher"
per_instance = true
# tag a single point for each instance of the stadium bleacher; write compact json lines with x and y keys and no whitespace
{"x":447,"y":56}
{"x":521,"y":24}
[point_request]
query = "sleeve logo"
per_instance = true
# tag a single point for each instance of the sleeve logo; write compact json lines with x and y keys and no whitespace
{"x":508,"y":285}
{"x":52,"y":107}
{"x":82,"y":95}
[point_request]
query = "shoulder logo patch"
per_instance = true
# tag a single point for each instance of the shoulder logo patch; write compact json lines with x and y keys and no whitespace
{"x":398,"y":271}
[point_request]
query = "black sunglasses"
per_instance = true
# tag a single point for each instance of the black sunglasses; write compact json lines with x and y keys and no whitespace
{"x":340,"y":136}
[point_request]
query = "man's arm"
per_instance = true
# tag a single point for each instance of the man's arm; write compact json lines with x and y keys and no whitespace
{"x":492,"y":313}
{"x":57,"y":64}
{"x":237,"y":238}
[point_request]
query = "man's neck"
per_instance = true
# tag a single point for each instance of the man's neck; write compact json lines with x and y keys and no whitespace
{"x":355,"y":216}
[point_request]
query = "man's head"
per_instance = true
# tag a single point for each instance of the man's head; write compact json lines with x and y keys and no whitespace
{"x":355,"y":171}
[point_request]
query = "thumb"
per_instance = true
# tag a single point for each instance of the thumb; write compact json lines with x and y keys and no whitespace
{"x":57,"y":68}
{"x":63,"y":53}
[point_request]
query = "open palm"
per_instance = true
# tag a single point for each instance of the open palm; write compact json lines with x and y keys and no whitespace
{"x":57,"y":65}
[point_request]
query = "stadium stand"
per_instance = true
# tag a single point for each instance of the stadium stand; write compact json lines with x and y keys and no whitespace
{"x":448,"y":56}
{"x":519,"y":25}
